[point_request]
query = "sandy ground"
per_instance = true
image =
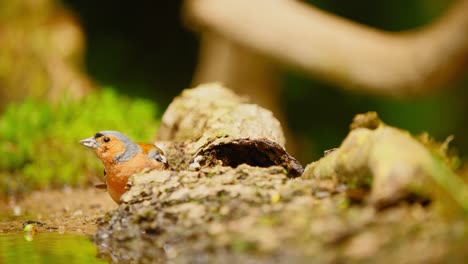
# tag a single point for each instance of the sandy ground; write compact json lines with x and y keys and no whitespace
{"x":64,"y":211}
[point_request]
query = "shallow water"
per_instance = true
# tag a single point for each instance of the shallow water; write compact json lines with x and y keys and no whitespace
{"x":46,"y":247}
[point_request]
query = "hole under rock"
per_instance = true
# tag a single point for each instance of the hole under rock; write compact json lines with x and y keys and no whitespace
{"x":259,"y":152}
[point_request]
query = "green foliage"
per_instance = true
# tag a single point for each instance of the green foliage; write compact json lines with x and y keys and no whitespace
{"x":39,"y":141}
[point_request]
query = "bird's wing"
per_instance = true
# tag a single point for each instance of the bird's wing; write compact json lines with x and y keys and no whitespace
{"x":153,"y":152}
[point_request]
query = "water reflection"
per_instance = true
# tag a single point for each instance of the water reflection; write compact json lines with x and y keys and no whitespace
{"x":45,"y":247}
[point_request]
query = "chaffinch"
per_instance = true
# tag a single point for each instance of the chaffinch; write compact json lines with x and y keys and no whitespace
{"x":122,"y":158}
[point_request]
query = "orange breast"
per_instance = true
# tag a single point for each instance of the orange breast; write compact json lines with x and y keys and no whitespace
{"x":118,"y":173}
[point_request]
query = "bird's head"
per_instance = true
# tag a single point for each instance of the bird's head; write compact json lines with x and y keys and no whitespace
{"x":112,"y":146}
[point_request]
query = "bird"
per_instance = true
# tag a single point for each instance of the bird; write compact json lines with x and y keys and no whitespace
{"x":122,"y":158}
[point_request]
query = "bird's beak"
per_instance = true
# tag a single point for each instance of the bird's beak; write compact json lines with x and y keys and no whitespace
{"x":89,"y":142}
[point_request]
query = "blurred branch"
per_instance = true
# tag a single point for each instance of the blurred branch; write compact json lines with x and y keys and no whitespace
{"x":340,"y":51}
{"x":244,"y":71}
{"x":226,"y":61}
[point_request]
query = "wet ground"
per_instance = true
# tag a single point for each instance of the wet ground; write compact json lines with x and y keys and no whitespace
{"x":63,"y":211}
{"x":47,"y":247}
{"x":63,"y":224}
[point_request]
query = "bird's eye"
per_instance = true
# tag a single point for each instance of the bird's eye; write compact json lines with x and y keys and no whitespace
{"x":106,"y":139}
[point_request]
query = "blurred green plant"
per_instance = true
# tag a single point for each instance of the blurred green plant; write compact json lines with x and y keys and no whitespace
{"x":39,"y":140}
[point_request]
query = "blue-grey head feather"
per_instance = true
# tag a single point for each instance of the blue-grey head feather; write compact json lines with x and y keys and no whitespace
{"x":131,"y":148}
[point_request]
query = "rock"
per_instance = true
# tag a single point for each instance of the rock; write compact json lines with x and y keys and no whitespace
{"x":218,"y":127}
{"x":386,"y":160}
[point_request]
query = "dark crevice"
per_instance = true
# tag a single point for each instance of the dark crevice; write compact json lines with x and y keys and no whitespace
{"x":259,"y":152}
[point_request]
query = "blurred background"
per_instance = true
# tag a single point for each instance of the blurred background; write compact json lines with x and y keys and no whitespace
{"x":73,"y":67}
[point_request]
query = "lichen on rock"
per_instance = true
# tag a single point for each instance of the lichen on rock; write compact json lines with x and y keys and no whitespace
{"x":220,"y":128}
{"x":258,"y":215}
{"x":390,"y":163}
{"x":232,"y":195}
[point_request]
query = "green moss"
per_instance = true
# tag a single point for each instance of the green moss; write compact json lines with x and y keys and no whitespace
{"x":268,"y":220}
{"x":39,"y":141}
{"x":442,"y":150}
{"x":242,"y":246}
